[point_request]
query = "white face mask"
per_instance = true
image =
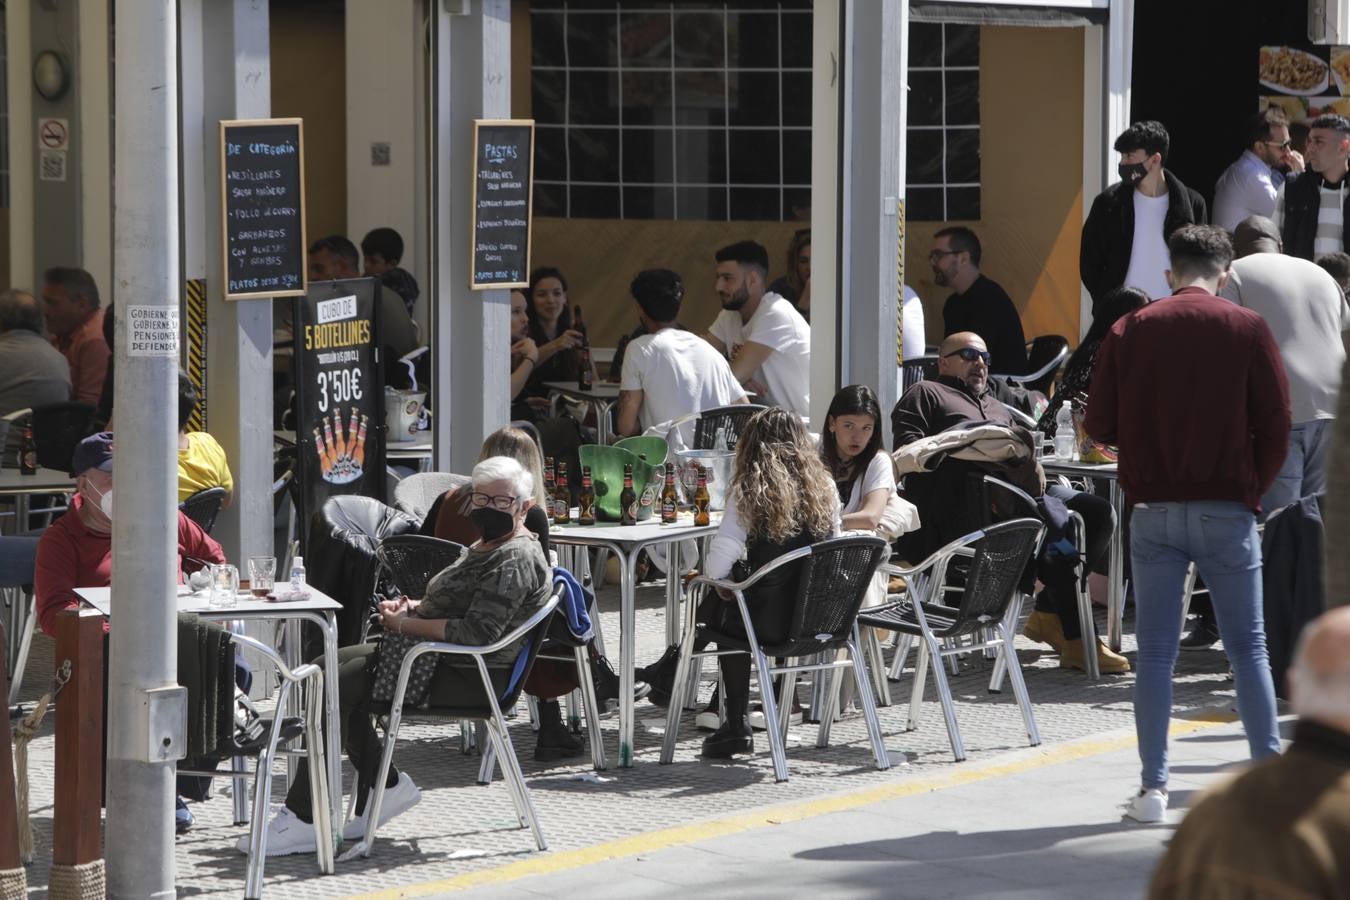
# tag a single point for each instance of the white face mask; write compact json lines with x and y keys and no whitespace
{"x":104,"y":500}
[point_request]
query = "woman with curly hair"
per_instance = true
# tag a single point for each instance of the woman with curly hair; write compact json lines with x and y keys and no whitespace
{"x":782,"y":498}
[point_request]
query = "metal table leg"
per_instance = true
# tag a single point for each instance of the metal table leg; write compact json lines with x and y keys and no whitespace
{"x":1115,"y":591}
{"x":627,"y":645}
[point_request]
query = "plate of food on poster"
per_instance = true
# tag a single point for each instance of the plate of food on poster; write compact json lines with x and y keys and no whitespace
{"x":1340,"y":69}
{"x":1305,"y":109}
{"x":1290,"y":70}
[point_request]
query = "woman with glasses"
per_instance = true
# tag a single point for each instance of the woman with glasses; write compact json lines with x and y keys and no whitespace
{"x":488,"y":592}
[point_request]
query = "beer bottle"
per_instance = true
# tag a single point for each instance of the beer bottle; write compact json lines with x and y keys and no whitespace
{"x":585,"y":379}
{"x":586,"y":502}
{"x":701,"y":499}
{"x":549,"y":488}
{"x":670,"y":501}
{"x":628,"y":499}
{"x":28,"y":453}
{"x":562,"y":497}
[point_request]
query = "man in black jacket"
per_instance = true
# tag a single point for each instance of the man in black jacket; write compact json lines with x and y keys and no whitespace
{"x":1125,"y":235}
{"x":1310,"y":209}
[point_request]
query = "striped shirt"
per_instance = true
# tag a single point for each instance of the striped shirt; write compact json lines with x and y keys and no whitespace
{"x":1330,"y":218}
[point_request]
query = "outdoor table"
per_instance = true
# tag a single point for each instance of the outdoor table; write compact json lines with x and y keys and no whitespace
{"x":601,"y":397}
{"x":1115,"y":584}
{"x":626,"y":542}
{"x":318,"y":608}
{"x":21,"y":487}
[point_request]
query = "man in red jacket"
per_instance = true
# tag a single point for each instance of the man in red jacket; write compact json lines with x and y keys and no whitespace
{"x":1193,"y":392}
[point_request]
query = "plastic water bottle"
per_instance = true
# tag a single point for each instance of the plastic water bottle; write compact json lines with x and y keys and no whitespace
{"x":298,"y":589}
{"x":1064,"y":433}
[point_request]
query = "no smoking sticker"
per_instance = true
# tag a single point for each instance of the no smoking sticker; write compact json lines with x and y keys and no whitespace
{"x":53,"y":134}
{"x":152,"y":331}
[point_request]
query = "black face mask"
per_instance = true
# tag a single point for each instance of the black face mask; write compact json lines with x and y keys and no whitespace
{"x":1132,"y":173}
{"x":492,"y":523}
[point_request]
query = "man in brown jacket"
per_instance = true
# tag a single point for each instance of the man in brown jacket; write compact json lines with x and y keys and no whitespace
{"x":1282,"y":829}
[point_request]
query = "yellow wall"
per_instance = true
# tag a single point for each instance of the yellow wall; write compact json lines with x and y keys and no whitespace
{"x":309,"y":80}
{"x":1031,"y":171}
{"x":1032,"y":205}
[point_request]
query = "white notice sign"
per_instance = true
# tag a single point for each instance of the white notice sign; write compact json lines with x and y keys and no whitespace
{"x":152,"y":331}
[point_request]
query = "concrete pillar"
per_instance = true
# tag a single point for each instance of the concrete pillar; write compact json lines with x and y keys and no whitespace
{"x":826,"y":259}
{"x":872,"y":67}
{"x":21,"y":138}
{"x":227,"y":75}
{"x":472,"y":58}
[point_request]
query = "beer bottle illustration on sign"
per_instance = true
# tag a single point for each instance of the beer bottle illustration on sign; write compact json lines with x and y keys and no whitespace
{"x":360,"y":455}
{"x":339,"y":439}
{"x":325,"y":457}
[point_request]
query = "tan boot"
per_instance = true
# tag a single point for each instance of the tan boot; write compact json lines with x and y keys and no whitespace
{"x":1045,"y":628}
{"x":1108,"y":661}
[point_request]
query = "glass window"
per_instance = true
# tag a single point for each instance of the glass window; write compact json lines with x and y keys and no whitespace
{"x":942,"y":167}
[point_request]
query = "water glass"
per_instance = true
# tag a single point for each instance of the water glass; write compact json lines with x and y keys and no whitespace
{"x":224,"y":586}
{"x":262,"y":575}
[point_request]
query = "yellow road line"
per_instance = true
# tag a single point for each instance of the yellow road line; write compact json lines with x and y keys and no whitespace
{"x":652,"y":841}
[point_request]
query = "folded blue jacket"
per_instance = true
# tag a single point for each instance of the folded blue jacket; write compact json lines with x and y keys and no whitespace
{"x":575,"y":602}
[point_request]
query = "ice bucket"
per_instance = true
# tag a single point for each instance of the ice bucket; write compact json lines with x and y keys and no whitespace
{"x":717,"y":465}
{"x":403,"y":413}
{"x":606,"y":465}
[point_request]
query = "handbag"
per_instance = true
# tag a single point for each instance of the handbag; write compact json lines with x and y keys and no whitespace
{"x":389,"y":661}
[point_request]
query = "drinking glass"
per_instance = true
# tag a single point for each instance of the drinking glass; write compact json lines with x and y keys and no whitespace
{"x":224,"y":586}
{"x":262,"y":574}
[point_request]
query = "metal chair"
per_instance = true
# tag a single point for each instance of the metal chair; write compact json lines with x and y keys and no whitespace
{"x":203,"y":507}
{"x":1045,"y":355}
{"x":532,"y":632}
{"x":416,"y":494}
{"x":920,"y":368}
{"x":831,"y":588}
{"x":995,"y":559}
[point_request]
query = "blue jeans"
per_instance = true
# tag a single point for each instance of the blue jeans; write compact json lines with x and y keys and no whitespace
{"x":1304,"y":472}
{"x":1220,"y":537}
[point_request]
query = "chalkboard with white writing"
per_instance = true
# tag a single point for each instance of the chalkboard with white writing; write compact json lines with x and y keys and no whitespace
{"x":262,"y":190}
{"x":503,"y":178}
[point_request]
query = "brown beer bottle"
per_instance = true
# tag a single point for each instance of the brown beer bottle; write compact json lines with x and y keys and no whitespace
{"x":586,"y":502}
{"x":549,"y":488}
{"x":628,"y":499}
{"x":28,"y":453}
{"x":701,"y":499}
{"x":585,"y":379}
{"x":562,"y":497}
{"x":670,"y":501}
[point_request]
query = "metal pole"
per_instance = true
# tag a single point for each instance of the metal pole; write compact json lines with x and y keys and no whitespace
{"x":144,"y":727}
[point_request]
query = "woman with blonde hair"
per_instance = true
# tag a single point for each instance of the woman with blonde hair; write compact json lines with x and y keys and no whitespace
{"x":782,"y":498}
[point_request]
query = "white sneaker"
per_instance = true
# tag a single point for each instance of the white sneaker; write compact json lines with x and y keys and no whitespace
{"x":1148,"y":806}
{"x":286,"y":834}
{"x":708,"y":720}
{"x":398,"y":799}
{"x":759,"y":723}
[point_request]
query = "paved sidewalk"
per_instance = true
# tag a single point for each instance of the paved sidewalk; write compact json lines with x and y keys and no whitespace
{"x":1025,"y":824}
{"x":461,"y":829}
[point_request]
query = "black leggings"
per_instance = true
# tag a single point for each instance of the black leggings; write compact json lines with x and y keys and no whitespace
{"x":1059,"y":598}
{"x":451,"y":686}
{"x":769,"y":611}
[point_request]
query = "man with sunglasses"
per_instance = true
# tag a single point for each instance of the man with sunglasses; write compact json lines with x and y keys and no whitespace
{"x":1310,"y":209}
{"x":963,"y":396}
{"x":1249,"y":186}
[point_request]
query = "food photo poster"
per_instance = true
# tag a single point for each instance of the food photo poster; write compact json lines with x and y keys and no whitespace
{"x":1305,"y":82}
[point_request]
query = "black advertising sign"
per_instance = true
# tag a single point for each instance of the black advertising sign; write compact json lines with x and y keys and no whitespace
{"x":262,"y":193}
{"x":503,"y":178}
{"x":339,"y":394}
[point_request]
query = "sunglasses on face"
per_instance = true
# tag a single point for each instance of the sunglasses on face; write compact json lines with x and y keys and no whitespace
{"x":970,"y":354}
{"x":1283,"y":145}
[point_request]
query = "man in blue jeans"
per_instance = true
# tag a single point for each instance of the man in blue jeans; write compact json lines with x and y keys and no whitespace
{"x":1192,"y":390}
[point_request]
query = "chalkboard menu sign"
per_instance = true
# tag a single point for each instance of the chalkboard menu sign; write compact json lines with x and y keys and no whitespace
{"x":503,"y":177}
{"x":339,"y":393}
{"x":262,"y":189}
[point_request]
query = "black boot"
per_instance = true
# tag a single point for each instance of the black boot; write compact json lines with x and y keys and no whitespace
{"x":555,"y":740}
{"x":734,"y":736}
{"x":660,"y":675}
{"x":606,"y":682}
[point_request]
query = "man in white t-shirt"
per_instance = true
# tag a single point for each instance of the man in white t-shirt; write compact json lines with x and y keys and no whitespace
{"x":669,"y":372}
{"x":765,"y":338}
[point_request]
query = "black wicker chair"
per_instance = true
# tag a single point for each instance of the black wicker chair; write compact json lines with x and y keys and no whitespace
{"x":719,"y":428}
{"x":490,"y":714}
{"x":920,"y":368}
{"x":993,"y":562}
{"x":831,"y":587}
{"x":410,"y":561}
{"x":203,"y":507}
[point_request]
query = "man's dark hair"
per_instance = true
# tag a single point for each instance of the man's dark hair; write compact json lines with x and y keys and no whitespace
{"x":1259,"y":125}
{"x":78,"y":283}
{"x":1337,"y":266}
{"x":20,"y":312}
{"x":187,"y":399}
{"x":1333,"y":122}
{"x":384,"y":241}
{"x":963,"y":240}
{"x":746,"y":253}
{"x":339,"y":246}
{"x":658,"y":292}
{"x":1148,"y":135}
{"x":1202,"y":251}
